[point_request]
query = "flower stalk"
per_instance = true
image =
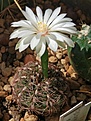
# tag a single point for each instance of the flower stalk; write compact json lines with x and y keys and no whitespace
{"x":44,"y":63}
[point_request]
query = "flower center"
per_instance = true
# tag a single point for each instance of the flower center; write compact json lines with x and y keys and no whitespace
{"x":42,"y":28}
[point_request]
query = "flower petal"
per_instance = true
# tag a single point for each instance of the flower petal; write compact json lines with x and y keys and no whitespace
{"x":29,"y":17}
{"x":35,"y":41}
{"x":63,"y":38}
{"x":57,"y":20}
{"x":51,"y":41}
{"x":28,"y":39}
{"x":47,"y":15}
{"x":54,"y":15}
{"x":21,"y":46}
{"x":41,"y":47}
{"x":70,"y":30}
{"x":21,"y":23}
{"x":31,"y":14}
{"x":39,"y":13}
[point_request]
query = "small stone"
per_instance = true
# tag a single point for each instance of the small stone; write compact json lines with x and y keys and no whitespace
{"x":6,"y":71}
{"x":18,"y":55}
{"x":85,"y":88}
{"x":2,"y":65}
{"x":28,"y":117}
{"x":1,"y":30}
{"x":16,"y":63}
{"x":12,"y":119}
{"x":73,"y":84}
{"x":73,"y":100}
{"x":11,"y":50}
{"x":3,"y":49}
{"x":29,"y":58}
{"x":81,"y":81}
{"x":11,"y":44}
{"x":10,"y":80}
{"x":70,"y":70}
{"x":63,"y":61}
{"x":52,"y":59}
{"x":3,"y":93}
{"x":2,"y":21}
{"x":81,"y":97}
{"x":1,"y":88}
{"x":6,"y":117}
{"x":67,"y":59}
{"x":59,"y":55}
{"x":74,"y":76}
{"x":9,"y":98}
{"x":22,"y":119}
{"x":7,"y":88}
{"x":4,"y":39}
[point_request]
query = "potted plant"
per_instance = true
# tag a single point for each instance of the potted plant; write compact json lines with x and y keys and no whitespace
{"x":39,"y":87}
{"x":80,"y":55}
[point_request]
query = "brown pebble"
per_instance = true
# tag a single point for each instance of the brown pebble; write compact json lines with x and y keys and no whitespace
{"x":3,"y":93}
{"x":30,"y":117}
{"x":74,"y":76}
{"x":73,"y":84}
{"x":2,"y":21}
{"x":11,"y":50}
{"x":9,"y":98}
{"x":7,"y":88}
{"x":52,"y":59}
{"x":22,"y":119}
{"x":6,"y":71}
{"x":6,"y":117}
{"x":1,"y":30}
{"x":3,"y":49}
{"x":59,"y":55}
{"x":29,"y":58}
{"x":85,"y":88}
{"x":18,"y":55}
{"x":4,"y":39}
{"x":70,"y":70}
{"x":73,"y":100}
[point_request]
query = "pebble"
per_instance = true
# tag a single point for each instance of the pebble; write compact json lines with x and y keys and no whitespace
{"x":59,"y":55}
{"x":18,"y":55}
{"x":9,"y":98}
{"x":7,"y":88}
{"x":3,"y":49}
{"x":70,"y":70}
{"x":6,"y":71}
{"x":12,"y":119}
{"x":12,"y":50}
{"x":29,"y":58}
{"x":73,"y":100}
{"x":74,"y":85}
{"x":10,"y":80}
{"x":2,"y":21}
{"x":86,"y":88}
{"x":81,"y":96}
{"x":53,"y":59}
{"x":74,"y":76}
{"x":3,"y":93}
{"x":31,"y":117}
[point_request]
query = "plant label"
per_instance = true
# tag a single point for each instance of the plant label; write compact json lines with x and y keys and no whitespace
{"x":77,"y":113}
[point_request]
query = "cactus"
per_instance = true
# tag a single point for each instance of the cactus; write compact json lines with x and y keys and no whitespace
{"x":5,"y":3}
{"x":80,"y":55}
{"x":36,"y":96}
{"x":81,"y":61}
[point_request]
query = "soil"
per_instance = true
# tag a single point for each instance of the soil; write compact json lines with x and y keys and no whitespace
{"x":11,"y":60}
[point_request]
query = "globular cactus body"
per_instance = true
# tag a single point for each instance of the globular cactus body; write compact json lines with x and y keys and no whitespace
{"x":34,"y":94}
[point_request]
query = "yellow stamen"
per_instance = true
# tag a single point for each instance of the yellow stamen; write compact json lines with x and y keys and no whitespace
{"x":42,"y":27}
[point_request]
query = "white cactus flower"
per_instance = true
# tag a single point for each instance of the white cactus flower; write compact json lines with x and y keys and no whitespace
{"x":39,"y":31}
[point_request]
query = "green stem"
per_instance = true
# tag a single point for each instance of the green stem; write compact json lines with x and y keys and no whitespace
{"x":44,"y":63}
